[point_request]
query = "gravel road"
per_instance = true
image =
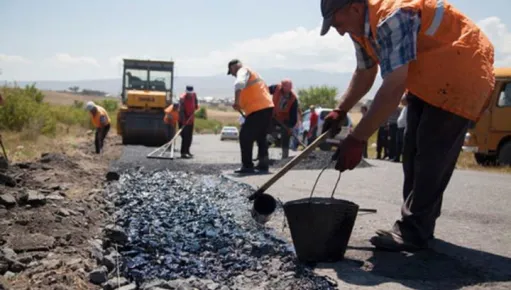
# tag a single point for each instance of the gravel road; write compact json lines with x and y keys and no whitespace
{"x":473,"y":246}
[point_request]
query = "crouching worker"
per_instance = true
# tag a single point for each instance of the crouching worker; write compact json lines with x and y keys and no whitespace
{"x":171,"y":119}
{"x":253,"y":98}
{"x":285,"y":111}
{"x":101,"y":121}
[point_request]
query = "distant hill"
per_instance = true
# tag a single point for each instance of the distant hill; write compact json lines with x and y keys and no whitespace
{"x":219,"y":86}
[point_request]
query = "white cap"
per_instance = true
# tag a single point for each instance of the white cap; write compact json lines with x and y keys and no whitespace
{"x":90,"y":105}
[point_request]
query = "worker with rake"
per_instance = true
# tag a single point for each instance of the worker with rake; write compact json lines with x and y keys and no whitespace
{"x":188,"y":105}
{"x":101,"y":122}
{"x":252,"y":98}
{"x":444,"y":63}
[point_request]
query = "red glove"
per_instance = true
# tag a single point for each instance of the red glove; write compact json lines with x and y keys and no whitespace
{"x":349,"y":153}
{"x":332,"y":121}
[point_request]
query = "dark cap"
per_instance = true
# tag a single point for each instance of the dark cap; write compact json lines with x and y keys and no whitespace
{"x":328,"y":8}
{"x":232,"y":62}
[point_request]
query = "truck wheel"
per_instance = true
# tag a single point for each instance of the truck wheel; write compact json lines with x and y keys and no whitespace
{"x":484,"y":159}
{"x":505,"y":154}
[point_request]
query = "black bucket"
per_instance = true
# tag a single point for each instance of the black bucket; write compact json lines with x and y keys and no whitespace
{"x":263,"y":207}
{"x":320,"y":227}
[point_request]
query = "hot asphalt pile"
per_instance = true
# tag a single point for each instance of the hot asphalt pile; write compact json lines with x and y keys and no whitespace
{"x":196,"y":231}
{"x":316,"y":160}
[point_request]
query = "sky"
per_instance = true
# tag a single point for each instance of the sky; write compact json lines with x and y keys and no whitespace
{"x":76,"y":40}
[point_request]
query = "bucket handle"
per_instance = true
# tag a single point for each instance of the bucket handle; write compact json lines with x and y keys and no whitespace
{"x":317,"y":179}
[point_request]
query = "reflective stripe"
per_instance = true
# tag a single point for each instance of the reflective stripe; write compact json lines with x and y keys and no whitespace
{"x":253,"y":82}
{"x":437,"y":19}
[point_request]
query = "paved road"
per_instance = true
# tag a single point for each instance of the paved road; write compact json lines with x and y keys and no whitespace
{"x":473,"y":246}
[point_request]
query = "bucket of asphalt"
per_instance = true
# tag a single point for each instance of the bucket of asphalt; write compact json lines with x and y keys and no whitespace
{"x":320,"y":227}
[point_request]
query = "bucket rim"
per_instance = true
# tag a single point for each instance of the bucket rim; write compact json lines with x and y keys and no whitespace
{"x":320,"y":200}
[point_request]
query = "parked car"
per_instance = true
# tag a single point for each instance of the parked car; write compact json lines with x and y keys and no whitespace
{"x":347,"y":126}
{"x":229,"y":133}
{"x":490,"y":138}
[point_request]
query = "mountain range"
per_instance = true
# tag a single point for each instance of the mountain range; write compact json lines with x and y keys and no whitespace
{"x":218,"y":86}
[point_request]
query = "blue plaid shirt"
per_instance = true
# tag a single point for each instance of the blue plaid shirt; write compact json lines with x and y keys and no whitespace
{"x":397,"y":41}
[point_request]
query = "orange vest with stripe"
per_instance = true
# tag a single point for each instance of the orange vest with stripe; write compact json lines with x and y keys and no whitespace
{"x":255,"y":96}
{"x":171,"y":117}
{"x":454,"y":65}
{"x":282,"y":114}
{"x":95,"y":119}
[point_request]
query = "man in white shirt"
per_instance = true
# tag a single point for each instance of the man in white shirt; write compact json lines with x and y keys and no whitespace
{"x":401,"y":126}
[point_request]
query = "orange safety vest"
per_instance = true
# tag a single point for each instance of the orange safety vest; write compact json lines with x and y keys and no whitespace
{"x":95,"y":119}
{"x":255,"y":96}
{"x":171,"y":117}
{"x":282,"y":114}
{"x":454,"y":66}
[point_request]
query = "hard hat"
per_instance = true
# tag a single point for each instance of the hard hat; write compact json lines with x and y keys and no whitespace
{"x":90,"y":105}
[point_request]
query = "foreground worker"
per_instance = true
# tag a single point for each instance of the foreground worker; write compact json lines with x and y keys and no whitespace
{"x":171,"y":119}
{"x":251,"y":96}
{"x":101,"y":122}
{"x":188,"y":104}
{"x":285,"y":111}
{"x":445,"y":64}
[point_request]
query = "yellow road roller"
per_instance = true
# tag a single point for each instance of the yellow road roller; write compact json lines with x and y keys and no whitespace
{"x":147,"y":89}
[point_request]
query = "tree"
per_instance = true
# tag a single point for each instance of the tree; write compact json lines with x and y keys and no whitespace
{"x":323,"y":96}
{"x":74,"y":89}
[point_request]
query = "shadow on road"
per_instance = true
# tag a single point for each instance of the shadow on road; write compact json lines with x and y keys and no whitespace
{"x":445,"y":264}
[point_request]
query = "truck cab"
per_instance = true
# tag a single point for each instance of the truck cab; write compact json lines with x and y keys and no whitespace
{"x":490,"y":138}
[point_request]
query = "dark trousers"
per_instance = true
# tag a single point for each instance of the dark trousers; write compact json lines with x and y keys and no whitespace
{"x":392,"y":140}
{"x":186,"y":138}
{"x":313,"y":136}
{"x":399,"y":143}
{"x":382,"y":142}
{"x":432,"y":144}
{"x":255,"y":128}
{"x":100,"y":136}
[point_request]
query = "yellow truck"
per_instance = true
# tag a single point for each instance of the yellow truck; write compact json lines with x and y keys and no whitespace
{"x":147,"y":87}
{"x":490,"y":138}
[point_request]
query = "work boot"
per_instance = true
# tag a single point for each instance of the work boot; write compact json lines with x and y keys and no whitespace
{"x":185,"y":156}
{"x":245,"y":170}
{"x":263,"y":165}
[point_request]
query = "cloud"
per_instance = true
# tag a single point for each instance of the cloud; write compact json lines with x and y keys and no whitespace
{"x":498,"y":33}
{"x":66,"y":59}
{"x":13,"y":59}
{"x":299,"y":48}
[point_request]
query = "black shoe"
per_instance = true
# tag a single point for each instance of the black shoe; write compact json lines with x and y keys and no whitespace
{"x":262,"y":168}
{"x":391,"y":241}
{"x":245,"y":170}
{"x":186,"y":156}
{"x":190,"y":154}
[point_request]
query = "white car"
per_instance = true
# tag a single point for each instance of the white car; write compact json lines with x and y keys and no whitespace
{"x":322,"y":113}
{"x":229,"y":132}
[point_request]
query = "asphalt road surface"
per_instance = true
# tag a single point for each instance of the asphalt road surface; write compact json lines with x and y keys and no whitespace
{"x":472,"y":249}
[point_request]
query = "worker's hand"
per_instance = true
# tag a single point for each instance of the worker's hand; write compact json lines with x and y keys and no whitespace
{"x":349,"y":153}
{"x":332,"y":121}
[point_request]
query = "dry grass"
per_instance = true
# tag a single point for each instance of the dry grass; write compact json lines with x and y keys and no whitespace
{"x":24,"y":146}
{"x":224,"y":117}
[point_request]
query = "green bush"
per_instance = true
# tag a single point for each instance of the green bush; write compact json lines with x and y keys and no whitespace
{"x":202,"y":113}
{"x":109,"y":105}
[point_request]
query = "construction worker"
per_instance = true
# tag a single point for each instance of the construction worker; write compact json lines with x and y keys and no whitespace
{"x":444,"y":62}
{"x":101,"y":121}
{"x":285,"y":111}
{"x":313,"y":125}
{"x":253,"y":98}
{"x":171,"y":118}
{"x":188,"y":104}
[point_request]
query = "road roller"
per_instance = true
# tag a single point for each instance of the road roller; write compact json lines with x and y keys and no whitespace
{"x":147,"y":89}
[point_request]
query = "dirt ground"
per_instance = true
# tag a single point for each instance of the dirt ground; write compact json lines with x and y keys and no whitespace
{"x":50,"y":210}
